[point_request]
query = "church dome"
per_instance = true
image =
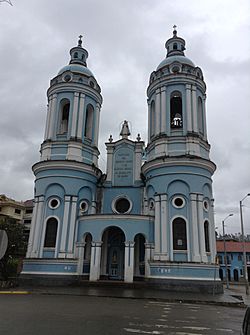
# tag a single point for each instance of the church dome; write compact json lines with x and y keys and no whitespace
{"x":78,"y":60}
{"x":175,"y":51}
{"x":77,"y":68}
{"x":176,"y":58}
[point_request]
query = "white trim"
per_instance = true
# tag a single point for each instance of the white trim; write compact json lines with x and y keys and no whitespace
{"x":178,"y":197}
{"x":58,"y":202}
{"x":119,"y":197}
{"x":43,"y":235}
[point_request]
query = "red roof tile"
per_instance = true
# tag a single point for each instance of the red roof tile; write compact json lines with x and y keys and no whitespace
{"x":232,"y":246}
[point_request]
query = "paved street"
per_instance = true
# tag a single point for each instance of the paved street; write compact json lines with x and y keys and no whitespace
{"x":54,"y":314}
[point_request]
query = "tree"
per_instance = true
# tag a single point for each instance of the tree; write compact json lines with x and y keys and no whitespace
{"x":16,"y":247}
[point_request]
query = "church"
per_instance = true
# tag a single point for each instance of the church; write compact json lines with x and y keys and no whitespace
{"x":150,"y":215}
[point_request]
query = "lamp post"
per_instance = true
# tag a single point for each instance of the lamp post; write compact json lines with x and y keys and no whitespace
{"x":225,"y":252}
{"x":243,"y":245}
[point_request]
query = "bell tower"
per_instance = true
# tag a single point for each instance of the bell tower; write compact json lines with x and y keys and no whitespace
{"x":67,"y":173}
{"x":178,"y":170}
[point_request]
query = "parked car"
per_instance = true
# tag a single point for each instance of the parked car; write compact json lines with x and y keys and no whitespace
{"x":245,"y":329}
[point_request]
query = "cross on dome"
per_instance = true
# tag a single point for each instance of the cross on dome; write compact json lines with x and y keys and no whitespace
{"x":80,"y":40}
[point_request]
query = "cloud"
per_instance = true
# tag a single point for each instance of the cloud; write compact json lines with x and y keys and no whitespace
{"x":125,"y":40}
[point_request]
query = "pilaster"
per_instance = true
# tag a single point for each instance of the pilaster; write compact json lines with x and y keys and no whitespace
{"x":72,"y":224}
{"x":157,"y":111}
{"x":52,"y":118}
{"x":164,"y":215}
{"x":74,"y":114}
{"x":194,"y":109}
{"x":80,"y":248}
{"x":195,"y":229}
{"x":163,"y":110}
{"x":201,"y":228}
{"x":129,"y":262}
{"x":188,"y":108}
{"x":62,"y":252}
{"x":32,"y":228}
{"x":157,"y":228}
{"x":39,"y":226}
{"x":95,"y":261}
{"x":80,"y":116}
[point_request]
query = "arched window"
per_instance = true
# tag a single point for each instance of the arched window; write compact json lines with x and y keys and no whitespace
{"x":200,"y":116}
{"x":75,"y":54}
{"x":176,"y":110}
{"x":206,"y":232}
{"x":89,"y":121}
{"x":175,"y":46}
{"x":152,"y":119}
{"x":51,"y":233}
{"x":179,"y":234}
{"x":64,"y":116}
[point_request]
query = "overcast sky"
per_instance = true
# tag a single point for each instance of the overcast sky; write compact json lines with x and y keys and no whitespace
{"x":125,"y":40}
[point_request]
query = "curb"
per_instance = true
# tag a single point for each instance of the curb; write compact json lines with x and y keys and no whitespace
{"x":239,"y":304}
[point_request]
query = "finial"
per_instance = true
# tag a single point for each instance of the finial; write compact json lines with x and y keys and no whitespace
{"x":138,"y":137}
{"x":110,"y":139}
{"x":80,"y":40}
{"x":175,"y":31}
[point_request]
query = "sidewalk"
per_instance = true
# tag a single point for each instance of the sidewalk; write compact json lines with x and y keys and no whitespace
{"x":234,"y":296}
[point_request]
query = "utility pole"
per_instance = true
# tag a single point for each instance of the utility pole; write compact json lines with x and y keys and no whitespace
{"x":243,"y":246}
{"x":225,"y":251}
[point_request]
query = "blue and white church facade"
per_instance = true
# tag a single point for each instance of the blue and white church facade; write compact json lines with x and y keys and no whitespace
{"x":150,"y":215}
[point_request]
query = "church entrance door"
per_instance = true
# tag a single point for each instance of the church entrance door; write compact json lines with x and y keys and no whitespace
{"x":115,"y":251}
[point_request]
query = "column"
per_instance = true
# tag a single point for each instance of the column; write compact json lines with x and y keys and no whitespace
{"x":80,"y":116}
{"x":212,"y":237}
{"x":157,"y":228}
{"x":129,"y":262}
{"x":72,"y":224}
{"x":38,"y":229}
{"x":194,"y":105}
{"x":204,"y":116}
{"x":74,"y":114}
{"x":80,"y":247}
{"x":93,"y":207}
{"x":148,"y":258}
{"x":52,"y":121}
{"x":47,"y":119}
{"x":62,"y":251}
{"x":164,"y":246}
{"x":163,"y":110}
{"x":188,"y":108}
{"x":149,"y":122}
{"x":32,"y":228}
{"x":157,"y":111}
{"x":195,"y":229}
{"x":109,"y":173}
{"x":96,"y":123}
{"x":201,"y":228}
{"x":95,"y":261}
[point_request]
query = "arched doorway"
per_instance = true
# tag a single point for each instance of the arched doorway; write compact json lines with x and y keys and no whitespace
{"x":221,"y":273}
{"x":113,"y":251}
{"x":139,"y":256}
{"x":229,"y":274}
{"x":236,"y":275}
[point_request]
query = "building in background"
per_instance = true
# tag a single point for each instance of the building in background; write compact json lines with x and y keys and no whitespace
{"x":21,"y":211}
{"x":10,"y":208}
{"x":234,"y":254}
{"x":150,"y":216}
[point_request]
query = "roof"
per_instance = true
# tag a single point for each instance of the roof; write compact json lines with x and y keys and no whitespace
{"x":77,"y":68}
{"x":176,"y":58}
{"x":28,"y":203}
{"x":232,"y":246}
